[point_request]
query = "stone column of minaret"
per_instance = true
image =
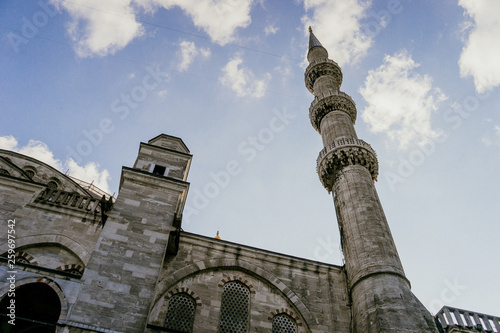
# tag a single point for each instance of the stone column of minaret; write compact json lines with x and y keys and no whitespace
{"x":347,"y":167}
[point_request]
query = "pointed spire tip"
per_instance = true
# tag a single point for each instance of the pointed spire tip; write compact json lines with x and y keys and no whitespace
{"x":313,"y":41}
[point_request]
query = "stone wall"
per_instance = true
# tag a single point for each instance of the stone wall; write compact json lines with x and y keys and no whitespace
{"x":313,"y":293}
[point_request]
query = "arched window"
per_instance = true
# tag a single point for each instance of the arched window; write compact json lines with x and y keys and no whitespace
{"x":180,"y":313}
{"x":73,"y":271}
{"x":52,"y":185}
{"x":30,"y":171}
{"x":283,"y":323}
{"x":22,"y":260}
{"x":235,"y":308}
{"x":37,"y":310}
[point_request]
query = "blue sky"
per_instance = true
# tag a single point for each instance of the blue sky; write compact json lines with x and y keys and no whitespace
{"x":82,"y":82}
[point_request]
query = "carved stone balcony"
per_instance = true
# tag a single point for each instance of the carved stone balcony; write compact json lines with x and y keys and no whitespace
{"x":331,"y":101}
{"x":319,"y":68}
{"x":75,"y":201}
{"x":344,"y":152}
{"x":457,"y":320}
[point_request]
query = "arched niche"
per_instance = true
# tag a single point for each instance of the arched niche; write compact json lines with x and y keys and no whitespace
{"x":37,"y":309}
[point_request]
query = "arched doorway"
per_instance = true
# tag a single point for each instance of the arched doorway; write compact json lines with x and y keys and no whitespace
{"x":37,"y":310}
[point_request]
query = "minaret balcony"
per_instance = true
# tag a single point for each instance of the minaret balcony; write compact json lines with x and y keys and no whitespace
{"x":342,"y":153}
{"x":322,"y":67}
{"x":331,"y":101}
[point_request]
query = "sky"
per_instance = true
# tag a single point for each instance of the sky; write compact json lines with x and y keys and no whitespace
{"x":83,"y":82}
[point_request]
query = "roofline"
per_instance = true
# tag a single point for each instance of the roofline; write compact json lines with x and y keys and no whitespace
{"x":46,"y":165}
{"x":262,"y":250}
{"x":166,"y":149}
{"x":172,"y":137}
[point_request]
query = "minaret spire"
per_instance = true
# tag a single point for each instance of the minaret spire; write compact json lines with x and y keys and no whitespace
{"x":347,"y":167}
{"x":313,"y":41}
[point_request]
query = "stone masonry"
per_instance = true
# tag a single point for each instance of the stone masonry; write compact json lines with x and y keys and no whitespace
{"x":85,"y":263}
{"x":380,"y":292}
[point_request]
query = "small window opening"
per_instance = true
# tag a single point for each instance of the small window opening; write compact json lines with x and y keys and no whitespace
{"x":159,"y":170}
{"x":30,"y":173}
{"x":74,"y":272}
{"x":52,"y":185}
{"x":22,"y":260}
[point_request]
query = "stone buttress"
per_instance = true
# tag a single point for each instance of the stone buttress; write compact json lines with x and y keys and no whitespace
{"x":122,"y":273}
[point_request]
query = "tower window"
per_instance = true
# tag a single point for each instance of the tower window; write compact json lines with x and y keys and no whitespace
{"x":284,"y":324}
{"x":160,"y":170}
{"x":235,"y":307}
{"x":180,"y":313}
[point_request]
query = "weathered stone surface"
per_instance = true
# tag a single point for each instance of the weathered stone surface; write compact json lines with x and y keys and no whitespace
{"x":380,"y":293}
{"x":135,"y":258}
{"x":313,"y":293}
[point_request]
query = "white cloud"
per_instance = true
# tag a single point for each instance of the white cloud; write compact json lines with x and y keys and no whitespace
{"x":400,"y":101}
{"x":486,"y":141}
{"x":218,"y":18}
{"x":40,"y":151}
{"x":271,"y":30}
{"x":242,"y":80}
{"x":481,"y":52}
{"x":490,"y":138}
{"x":188,"y":52}
{"x":337,"y":24}
{"x":90,"y":173}
{"x":34,"y":148}
{"x":99,"y":28}
{"x":8,"y":142}
{"x":497,"y":130}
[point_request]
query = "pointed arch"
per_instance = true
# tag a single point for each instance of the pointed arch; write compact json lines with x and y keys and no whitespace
{"x":242,"y":265}
{"x":235,"y":307}
{"x":180,"y":313}
{"x":45,"y":280}
{"x":68,"y":243}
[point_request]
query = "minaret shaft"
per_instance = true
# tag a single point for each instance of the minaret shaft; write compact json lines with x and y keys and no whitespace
{"x":367,"y":242}
{"x":347,"y":167}
{"x":336,"y":125}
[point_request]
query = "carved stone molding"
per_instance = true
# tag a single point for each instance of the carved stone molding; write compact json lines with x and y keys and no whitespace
{"x":184,"y":290}
{"x":331,"y":101}
{"x":287,"y":312}
{"x":319,"y":68}
{"x":342,"y":153}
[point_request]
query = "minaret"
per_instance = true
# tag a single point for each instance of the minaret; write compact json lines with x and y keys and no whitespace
{"x":347,"y":167}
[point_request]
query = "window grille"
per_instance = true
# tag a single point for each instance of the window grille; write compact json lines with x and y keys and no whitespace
{"x":52,"y":185}
{"x":30,"y":173}
{"x":74,"y":272}
{"x":284,"y":324}
{"x":180,"y":313}
{"x":22,"y":260}
{"x":235,"y":307}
